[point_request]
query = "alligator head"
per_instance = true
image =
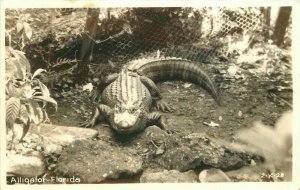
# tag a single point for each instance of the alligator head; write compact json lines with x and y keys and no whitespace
{"x":128,"y":117}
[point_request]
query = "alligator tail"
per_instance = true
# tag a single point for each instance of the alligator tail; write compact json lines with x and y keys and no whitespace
{"x":177,"y":69}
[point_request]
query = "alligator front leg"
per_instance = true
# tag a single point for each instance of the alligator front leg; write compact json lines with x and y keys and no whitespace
{"x":96,"y":93}
{"x":156,"y":95}
{"x":156,"y":118}
{"x":101,"y":112}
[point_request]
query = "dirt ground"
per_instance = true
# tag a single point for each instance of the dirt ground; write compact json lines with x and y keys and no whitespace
{"x":247,"y":97}
{"x":244,"y":101}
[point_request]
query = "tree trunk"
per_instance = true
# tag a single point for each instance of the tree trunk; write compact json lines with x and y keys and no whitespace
{"x":282,"y":22}
{"x":88,"y":41}
{"x":267,"y":20}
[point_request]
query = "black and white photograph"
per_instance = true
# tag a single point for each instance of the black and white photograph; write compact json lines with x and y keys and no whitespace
{"x":147,"y":95}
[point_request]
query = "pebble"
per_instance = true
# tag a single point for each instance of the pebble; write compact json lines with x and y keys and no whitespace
{"x":220,"y":118}
{"x":213,"y":175}
{"x":240,"y":113}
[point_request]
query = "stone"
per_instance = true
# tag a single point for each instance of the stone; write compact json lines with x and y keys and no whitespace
{"x":180,"y":158}
{"x":197,"y":150}
{"x":52,"y":148}
{"x":97,"y":161}
{"x":30,"y":165}
{"x":247,"y":174}
{"x":63,"y":135}
{"x":155,"y":134}
{"x":105,"y":133}
{"x":213,"y":175}
{"x":169,"y":176}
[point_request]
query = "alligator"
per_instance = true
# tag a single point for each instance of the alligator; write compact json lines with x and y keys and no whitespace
{"x":128,"y":96}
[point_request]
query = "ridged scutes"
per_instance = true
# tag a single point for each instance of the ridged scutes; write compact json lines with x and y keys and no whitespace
{"x":170,"y":68}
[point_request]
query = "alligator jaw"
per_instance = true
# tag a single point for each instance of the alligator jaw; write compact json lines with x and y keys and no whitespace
{"x":138,"y":126}
{"x":127,"y":123}
{"x":125,"y":120}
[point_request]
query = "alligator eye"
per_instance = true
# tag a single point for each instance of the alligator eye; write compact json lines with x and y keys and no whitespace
{"x":117,"y":108}
{"x":132,"y":110}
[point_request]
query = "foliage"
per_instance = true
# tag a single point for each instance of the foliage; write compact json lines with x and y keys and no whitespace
{"x":274,"y":144}
{"x":24,"y":31}
{"x":19,"y":26}
{"x":26,"y":95}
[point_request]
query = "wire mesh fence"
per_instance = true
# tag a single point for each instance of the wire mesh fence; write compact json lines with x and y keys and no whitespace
{"x":122,"y":34}
{"x":185,"y":32}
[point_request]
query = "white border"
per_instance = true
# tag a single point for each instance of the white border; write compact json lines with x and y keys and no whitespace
{"x":2,"y":100}
{"x":296,"y":90}
{"x":141,"y":3}
{"x":162,"y":3}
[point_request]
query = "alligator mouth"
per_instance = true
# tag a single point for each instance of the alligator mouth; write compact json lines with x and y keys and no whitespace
{"x":127,"y":130}
{"x":125,"y":122}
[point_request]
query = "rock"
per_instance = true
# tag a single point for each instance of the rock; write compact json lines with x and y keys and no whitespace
{"x":156,"y":135}
{"x":179,"y":158}
{"x":169,"y":176}
{"x":213,"y":175}
{"x":63,"y":135}
{"x":197,"y":150}
{"x":25,"y":165}
{"x":160,"y":150}
{"x":105,"y":133}
{"x":248,"y":174}
{"x":240,"y":113}
{"x":52,"y":148}
{"x":97,"y":161}
{"x":52,"y":138}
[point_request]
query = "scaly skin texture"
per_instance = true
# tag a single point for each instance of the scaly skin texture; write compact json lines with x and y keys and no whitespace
{"x":129,"y":95}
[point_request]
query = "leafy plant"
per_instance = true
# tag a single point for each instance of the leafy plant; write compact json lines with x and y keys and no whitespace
{"x":26,"y":95}
{"x":24,"y":30}
{"x":274,"y":144}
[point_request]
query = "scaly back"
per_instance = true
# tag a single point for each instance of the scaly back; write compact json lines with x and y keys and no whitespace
{"x":175,"y":69}
{"x":127,"y":90}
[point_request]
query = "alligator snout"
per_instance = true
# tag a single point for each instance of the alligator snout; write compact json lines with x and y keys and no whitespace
{"x":125,"y":120}
{"x":123,"y":124}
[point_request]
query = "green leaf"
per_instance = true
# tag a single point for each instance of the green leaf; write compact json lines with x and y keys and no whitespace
{"x":14,"y":69}
{"x":30,"y":110}
{"x":44,"y":89}
{"x":17,"y":65}
{"x":33,"y":110}
{"x":37,"y":93}
{"x":38,"y":72}
{"x":46,"y":99}
{"x":20,"y":27}
{"x":27,"y":91}
{"x":27,"y":30}
{"x":12,"y":110}
{"x":24,"y":115}
{"x":40,"y":114}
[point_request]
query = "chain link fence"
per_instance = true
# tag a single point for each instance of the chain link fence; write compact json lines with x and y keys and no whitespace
{"x":122,"y":34}
{"x":190,"y":33}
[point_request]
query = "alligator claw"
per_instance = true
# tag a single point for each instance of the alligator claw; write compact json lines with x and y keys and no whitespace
{"x":163,"y":126}
{"x":163,"y":106}
{"x":95,"y":95}
{"x":87,"y":124}
{"x":169,"y":132}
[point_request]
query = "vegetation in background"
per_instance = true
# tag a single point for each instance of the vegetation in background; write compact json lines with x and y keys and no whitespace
{"x":26,"y":96}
